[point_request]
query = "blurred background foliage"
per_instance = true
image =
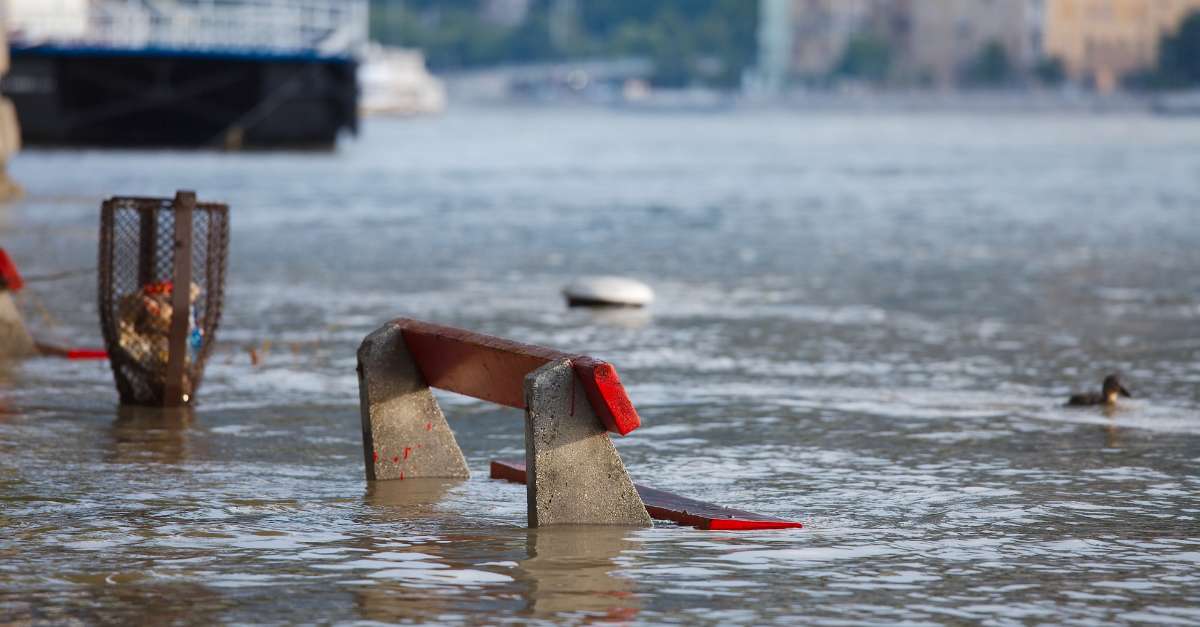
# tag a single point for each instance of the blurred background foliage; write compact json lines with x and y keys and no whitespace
{"x":709,"y":43}
{"x":690,"y":42}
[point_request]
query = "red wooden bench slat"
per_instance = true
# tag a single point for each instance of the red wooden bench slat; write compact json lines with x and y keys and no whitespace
{"x":480,"y":366}
{"x":494,"y":369}
{"x":606,"y":394}
{"x":667,"y":506}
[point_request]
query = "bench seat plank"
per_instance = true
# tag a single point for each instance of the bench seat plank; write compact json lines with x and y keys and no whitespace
{"x":664,"y":505}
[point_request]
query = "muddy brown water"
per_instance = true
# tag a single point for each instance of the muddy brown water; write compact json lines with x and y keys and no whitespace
{"x":865,"y":322}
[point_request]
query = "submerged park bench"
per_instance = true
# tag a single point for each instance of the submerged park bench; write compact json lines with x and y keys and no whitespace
{"x":572,"y":470}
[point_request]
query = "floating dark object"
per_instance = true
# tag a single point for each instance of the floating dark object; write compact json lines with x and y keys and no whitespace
{"x":608,"y":291}
{"x":1109,"y":391}
{"x":159,"y":337}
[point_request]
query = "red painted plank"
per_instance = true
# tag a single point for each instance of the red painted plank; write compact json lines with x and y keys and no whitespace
{"x":481,"y":366}
{"x":606,"y":394}
{"x":494,"y":369}
{"x":667,"y":506}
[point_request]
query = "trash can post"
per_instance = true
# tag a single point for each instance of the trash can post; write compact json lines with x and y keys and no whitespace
{"x":147,"y":246}
{"x":181,"y":307}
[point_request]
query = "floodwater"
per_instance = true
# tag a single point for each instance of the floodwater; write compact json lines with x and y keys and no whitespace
{"x":865,"y":322}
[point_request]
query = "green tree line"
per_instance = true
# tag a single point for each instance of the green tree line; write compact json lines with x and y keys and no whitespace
{"x":709,"y":42}
{"x":1179,"y":55}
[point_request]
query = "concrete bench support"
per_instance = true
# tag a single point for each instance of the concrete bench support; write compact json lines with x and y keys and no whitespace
{"x":570,"y":403}
{"x":575,"y":473}
{"x":405,"y":434}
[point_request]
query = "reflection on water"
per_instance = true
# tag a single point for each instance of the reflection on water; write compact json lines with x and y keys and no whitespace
{"x":151,"y":434}
{"x":408,"y":499}
{"x":573,"y":570}
{"x":558,"y":573}
{"x":619,"y":317}
{"x":867,"y":323}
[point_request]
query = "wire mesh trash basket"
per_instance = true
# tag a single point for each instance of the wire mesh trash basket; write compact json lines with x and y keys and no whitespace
{"x":159,"y":337}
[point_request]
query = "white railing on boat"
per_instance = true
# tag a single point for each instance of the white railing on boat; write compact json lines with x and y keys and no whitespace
{"x":326,"y":28}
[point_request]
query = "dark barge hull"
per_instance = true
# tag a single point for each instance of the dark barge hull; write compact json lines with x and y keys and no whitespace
{"x":103,"y":97}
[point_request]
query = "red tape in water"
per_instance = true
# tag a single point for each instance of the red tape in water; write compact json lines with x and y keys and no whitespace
{"x":86,"y":353}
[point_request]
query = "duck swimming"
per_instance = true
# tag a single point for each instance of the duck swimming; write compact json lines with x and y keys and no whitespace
{"x":1108,"y":394}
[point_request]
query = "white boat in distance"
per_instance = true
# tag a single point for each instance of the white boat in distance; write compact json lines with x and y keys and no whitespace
{"x":394,"y":81}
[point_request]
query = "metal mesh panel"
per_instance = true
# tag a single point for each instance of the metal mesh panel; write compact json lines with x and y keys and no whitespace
{"x":138,"y":269}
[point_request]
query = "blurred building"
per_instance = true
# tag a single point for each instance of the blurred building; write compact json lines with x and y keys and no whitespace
{"x":1099,"y":41}
{"x":944,"y":37}
{"x":943,"y":43}
{"x":820,"y":31}
{"x":929,"y":41}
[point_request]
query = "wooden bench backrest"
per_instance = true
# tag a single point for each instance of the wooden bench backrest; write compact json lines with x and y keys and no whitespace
{"x":494,"y":369}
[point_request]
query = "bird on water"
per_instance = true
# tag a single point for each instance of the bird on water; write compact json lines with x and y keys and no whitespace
{"x":1108,"y":394}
